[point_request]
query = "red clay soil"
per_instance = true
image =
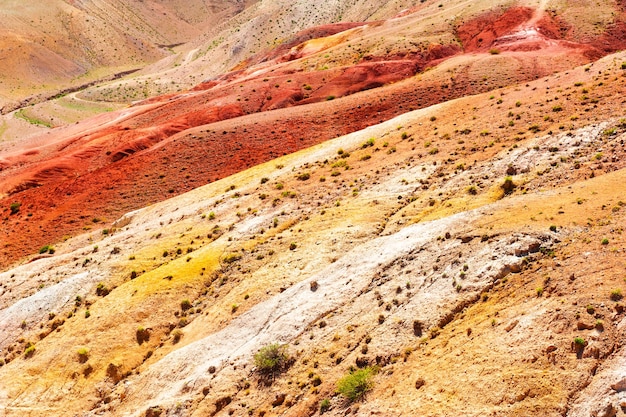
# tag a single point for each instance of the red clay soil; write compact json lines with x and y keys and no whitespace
{"x":525,"y":29}
{"x":107,"y":166}
{"x":479,"y":34}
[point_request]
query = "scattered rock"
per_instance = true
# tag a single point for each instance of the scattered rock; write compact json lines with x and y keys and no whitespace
{"x":620,"y":385}
{"x":417,"y":328}
{"x":279,"y":400}
{"x":221,"y":403}
{"x":419,"y":383}
{"x":581,"y":325}
{"x":155,"y":411}
{"x":362,"y":361}
{"x":511,"y":326}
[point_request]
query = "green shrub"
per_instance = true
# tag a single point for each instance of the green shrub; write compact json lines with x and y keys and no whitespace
{"x":368,"y":143}
{"x":304,"y":176}
{"x":83,"y":354}
{"x":271,"y":358}
{"x":616,"y":294}
{"x":605,"y":241}
{"x":355,"y":385}
{"x":177,"y":334}
{"x":579,"y":341}
{"x":102,"y":290}
{"x":15,"y":207}
{"x":508,"y":185}
{"x":46,"y":248}
{"x":185,"y":304}
{"x":324,"y":405}
{"x":29,"y":351}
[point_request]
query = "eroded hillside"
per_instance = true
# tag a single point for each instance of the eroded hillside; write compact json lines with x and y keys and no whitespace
{"x":305,"y":92}
{"x":456,"y":230}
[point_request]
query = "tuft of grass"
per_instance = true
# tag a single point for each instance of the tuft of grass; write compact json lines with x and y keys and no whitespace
{"x":47,"y":248}
{"x":83,"y":354}
{"x":29,"y":351}
{"x":324,"y":405}
{"x":355,"y":385}
{"x":232,"y":257}
{"x":304,"y":176}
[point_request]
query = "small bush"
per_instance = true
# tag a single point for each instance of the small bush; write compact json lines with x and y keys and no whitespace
{"x":29,"y":351}
{"x":324,"y":405}
{"x":185,"y":304}
{"x":304,"y":176}
{"x":605,"y":241}
{"x":15,"y":207}
{"x":177,"y":335}
{"x":494,"y":51}
{"x":579,"y":341}
{"x":102,"y":290}
{"x":368,"y":143}
{"x":355,"y":385}
{"x":616,"y":294}
{"x":83,"y":354}
{"x":142,"y":334}
{"x":46,"y":248}
{"x":232,"y":257}
{"x":271,"y":358}
{"x":508,"y":185}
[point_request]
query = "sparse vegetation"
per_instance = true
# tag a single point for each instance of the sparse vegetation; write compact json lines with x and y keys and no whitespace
{"x":508,"y":185}
{"x":83,"y":354}
{"x":29,"y":351}
{"x":616,"y":294}
{"x":355,"y":385}
{"x":46,"y":249}
{"x":271,"y":359}
{"x":324,"y":405}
